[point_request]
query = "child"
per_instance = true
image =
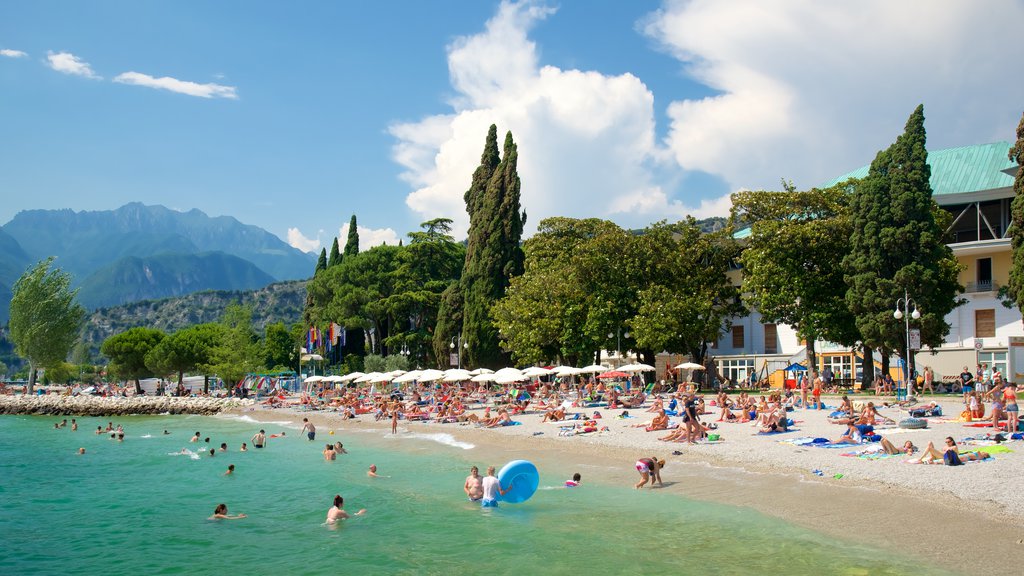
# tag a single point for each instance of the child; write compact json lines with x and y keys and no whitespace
{"x":574,"y":482}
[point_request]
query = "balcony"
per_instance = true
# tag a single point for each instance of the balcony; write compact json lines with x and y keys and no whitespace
{"x":985,"y":286}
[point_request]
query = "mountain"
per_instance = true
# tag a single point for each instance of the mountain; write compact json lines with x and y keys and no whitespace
{"x":13,"y":263}
{"x":88,"y":240}
{"x":133,"y":278}
{"x":280,"y":302}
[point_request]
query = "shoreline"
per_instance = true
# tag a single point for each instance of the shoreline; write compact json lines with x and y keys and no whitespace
{"x":862,"y":510}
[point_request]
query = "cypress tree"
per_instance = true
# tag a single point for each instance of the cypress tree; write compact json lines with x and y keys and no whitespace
{"x":898,"y":247}
{"x":335,"y":257}
{"x":1016,"y":287}
{"x":493,"y":252}
{"x":321,"y":262}
{"x":352,"y":243}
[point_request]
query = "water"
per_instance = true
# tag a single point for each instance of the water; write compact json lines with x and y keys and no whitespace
{"x":134,"y":508}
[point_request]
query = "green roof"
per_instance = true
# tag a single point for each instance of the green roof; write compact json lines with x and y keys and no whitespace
{"x":960,"y":170}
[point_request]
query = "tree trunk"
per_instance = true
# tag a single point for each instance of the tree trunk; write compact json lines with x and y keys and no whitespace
{"x":885,"y":361}
{"x":138,"y":387}
{"x":867,"y":367}
{"x":181,"y":376}
{"x":812,"y":356}
{"x":206,"y":384}
{"x":31,"y":378}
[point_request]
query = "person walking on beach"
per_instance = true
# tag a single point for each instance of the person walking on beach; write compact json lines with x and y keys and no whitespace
{"x":649,"y":469}
{"x":492,"y":489}
{"x":474,"y":485}
{"x":694,"y":429}
{"x":259,"y":439}
{"x":337,"y":512}
{"x":309,"y":429}
{"x":816,"y":392}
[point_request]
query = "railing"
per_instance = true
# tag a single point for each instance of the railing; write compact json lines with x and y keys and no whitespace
{"x":988,"y":286}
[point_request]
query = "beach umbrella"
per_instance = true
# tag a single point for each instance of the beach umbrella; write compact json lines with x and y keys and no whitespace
{"x":593,"y":369}
{"x":535,"y":371}
{"x":430,"y":375}
{"x":334,"y":378}
{"x":689,"y":366}
{"x":352,"y":376}
{"x":613,"y":374}
{"x":456,"y":375}
{"x":408,"y":377}
{"x":568,"y":371}
{"x":637,"y":368}
{"x":508,"y":371}
{"x":313,"y":379}
{"x":480,"y":371}
{"x":371,"y":377}
{"x":486,"y":377}
{"x":509,"y":378}
{"x":313,"y":357}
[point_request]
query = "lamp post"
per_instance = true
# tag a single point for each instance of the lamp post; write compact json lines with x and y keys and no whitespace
{"x":618,"y":343}
{"x":899,"y":314}
{"x":461,"y":346}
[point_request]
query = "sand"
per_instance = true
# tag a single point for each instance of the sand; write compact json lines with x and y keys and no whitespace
{"x":924,"y":511}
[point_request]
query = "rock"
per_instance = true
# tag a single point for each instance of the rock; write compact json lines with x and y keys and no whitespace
{"x":58,"y":405}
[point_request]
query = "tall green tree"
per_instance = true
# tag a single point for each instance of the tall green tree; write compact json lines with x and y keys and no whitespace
{"x":493,"y":252}
{"x":352,"y":242}
{"x":238,"y":351}
{"x":449,"y":323}
{"x":185,"y":350}
{"x":280,"y":347}
{"x":335,"y":257}
{"x":321,"y":262}
{"x":1016,"y":285}
{"x":127,"y":352}
{"x":792,"y":260}
{"x":897,"y":248}
{"x":45,"y":318}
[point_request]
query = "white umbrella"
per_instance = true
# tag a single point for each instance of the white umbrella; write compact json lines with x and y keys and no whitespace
{"x":568,"y":371}
{"x":408,"y":377}
{"x":383,"y":377}
{"x":430,"y":375}
{"x":456,"y":375}
{"x":480,"y":371}
{"x":308,"y":357}
{"x":689,"y":366}
{"x":509,"y":378}
{"x":486,"y":377}
{"x":334,"y":378}
{"x":352,"y":376}
{"x":508,"y":371}
{"x":593,"y":369}
{"x":313,"y":379}
{"x":637,"y":368}
{"x":534,"y":371}
{"x":371,"y":377}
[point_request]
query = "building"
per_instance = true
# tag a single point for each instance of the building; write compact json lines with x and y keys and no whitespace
{"x":975,"y":185}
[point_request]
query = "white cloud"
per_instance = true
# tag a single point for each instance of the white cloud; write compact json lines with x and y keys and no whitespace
{"x":368,"y":237}
{"x":297,"y":240}
{"x":810,"y":90}
{"x":209,"y":90}
{"x":68,"y":63}
{"x":9,"y":53}
{"x":586,"y":140}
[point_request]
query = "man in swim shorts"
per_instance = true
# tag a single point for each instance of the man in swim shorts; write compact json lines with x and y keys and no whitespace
{"x":474,"y":485}
{"x":492,"y":489}
{"x":309,"y":429}
{"x":259,"y":439}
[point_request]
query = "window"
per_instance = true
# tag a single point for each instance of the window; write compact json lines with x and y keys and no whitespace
{"x":736,"y":371}
{"x":841,"y":365}
{"x":771,"y":339}
{"x":984,"y":274}
{"x":985,"y":323}
{"x":737,"y":337}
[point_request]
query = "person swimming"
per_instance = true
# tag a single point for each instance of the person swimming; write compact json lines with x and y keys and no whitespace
{"x":576,"y":479}
{"x":221,"y":513}
{"x":337,"y":511}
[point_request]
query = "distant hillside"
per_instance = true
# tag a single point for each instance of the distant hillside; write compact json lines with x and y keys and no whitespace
{"x":132,"y":278}
{"x":281,"y":302}
{"x":88,"y":240}
{"x":13,"y":263}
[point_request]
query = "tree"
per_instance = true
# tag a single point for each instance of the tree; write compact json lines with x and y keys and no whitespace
{"x":185,"y":350}
{"x":493,"y":253}
{"x":238,"y":352}
{"x":280,"y":348}
{"x":1016,"y":285}
{"x":792,"y":261}
{"x":897,"y":248}
{"x":449,"y":323}
{"x":352,"y":242}
{"x":335,"y":257}
{"x":45,"y":319}
{"x":127,"y":353}
{"x":321,"y":262}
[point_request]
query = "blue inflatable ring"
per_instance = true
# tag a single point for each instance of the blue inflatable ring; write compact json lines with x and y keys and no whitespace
{"x":523,"y":477}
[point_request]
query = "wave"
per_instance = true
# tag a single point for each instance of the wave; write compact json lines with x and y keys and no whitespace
{"x":440,"y":438}
{"x":146,"y":436}
{"x":251,"y":420}
{"x":185,"y":452}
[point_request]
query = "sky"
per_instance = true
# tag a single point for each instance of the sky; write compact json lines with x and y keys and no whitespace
{"x":294,"y":116}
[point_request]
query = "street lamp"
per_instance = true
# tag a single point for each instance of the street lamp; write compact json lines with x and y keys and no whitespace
{"x":915,"y":313}
{"x":462,"y":346}
{"x":618,"y":342}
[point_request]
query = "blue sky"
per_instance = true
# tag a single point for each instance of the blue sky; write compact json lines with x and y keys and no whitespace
{"x":293,"y":116}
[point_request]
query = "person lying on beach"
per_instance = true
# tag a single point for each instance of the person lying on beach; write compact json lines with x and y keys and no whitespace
{"x":221,"y":513}
{"x":656,"y":406}
{"x":337,"y":511}
{"x":636,"y":401}
{"x":555,"y":415}
{"x":660,"y":422}
{"x":502,"y":419}
{"x":650,"y":470}
{"x":949,"y":456}
{"x":676,"y":435}
{"x":889,"y":448}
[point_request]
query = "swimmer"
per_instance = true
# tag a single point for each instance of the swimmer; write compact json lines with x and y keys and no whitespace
{"x":340,"y":448}
{"x":223,"y":447}
{"x":329,"y":453}
{"x":649,"y":469}
{"x":74,"y":425}
{"x":258,"y":439}
{"x":99,"y":430}
{"x":120,"y":436}
{"x":166,"y":433}
{"x":207,"y":440}
{"x":278,"y":435}
{"x":81,"y":450}
{"x":576,"y":479}
{"x":372,"y":472}
{"x":195,"y":438}
{"x":473,"y":487}
{"x":337,"y":512}
{"x":110,"y":427}
{"x":308,"y":428}
{"x":492,"y":489}
{"x":231,"y":470}
{"x":212,"y":452}
{"x":244,"y":448}
{"x":221,"y":513}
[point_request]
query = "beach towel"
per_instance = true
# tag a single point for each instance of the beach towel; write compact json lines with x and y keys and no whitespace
{"x":775,"y":432}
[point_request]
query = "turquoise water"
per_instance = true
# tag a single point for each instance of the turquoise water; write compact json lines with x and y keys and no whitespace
{"x":132,"y":508}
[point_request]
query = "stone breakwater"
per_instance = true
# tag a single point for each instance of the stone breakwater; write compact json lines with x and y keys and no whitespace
{"x":54,"y":404}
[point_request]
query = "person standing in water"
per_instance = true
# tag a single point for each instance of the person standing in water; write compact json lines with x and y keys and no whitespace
{"x":309,"y":429}
{"x":258,"y":439}
{"x":492,"y":489}
{"x":337,"y":512}
{"x":474,"y":485}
